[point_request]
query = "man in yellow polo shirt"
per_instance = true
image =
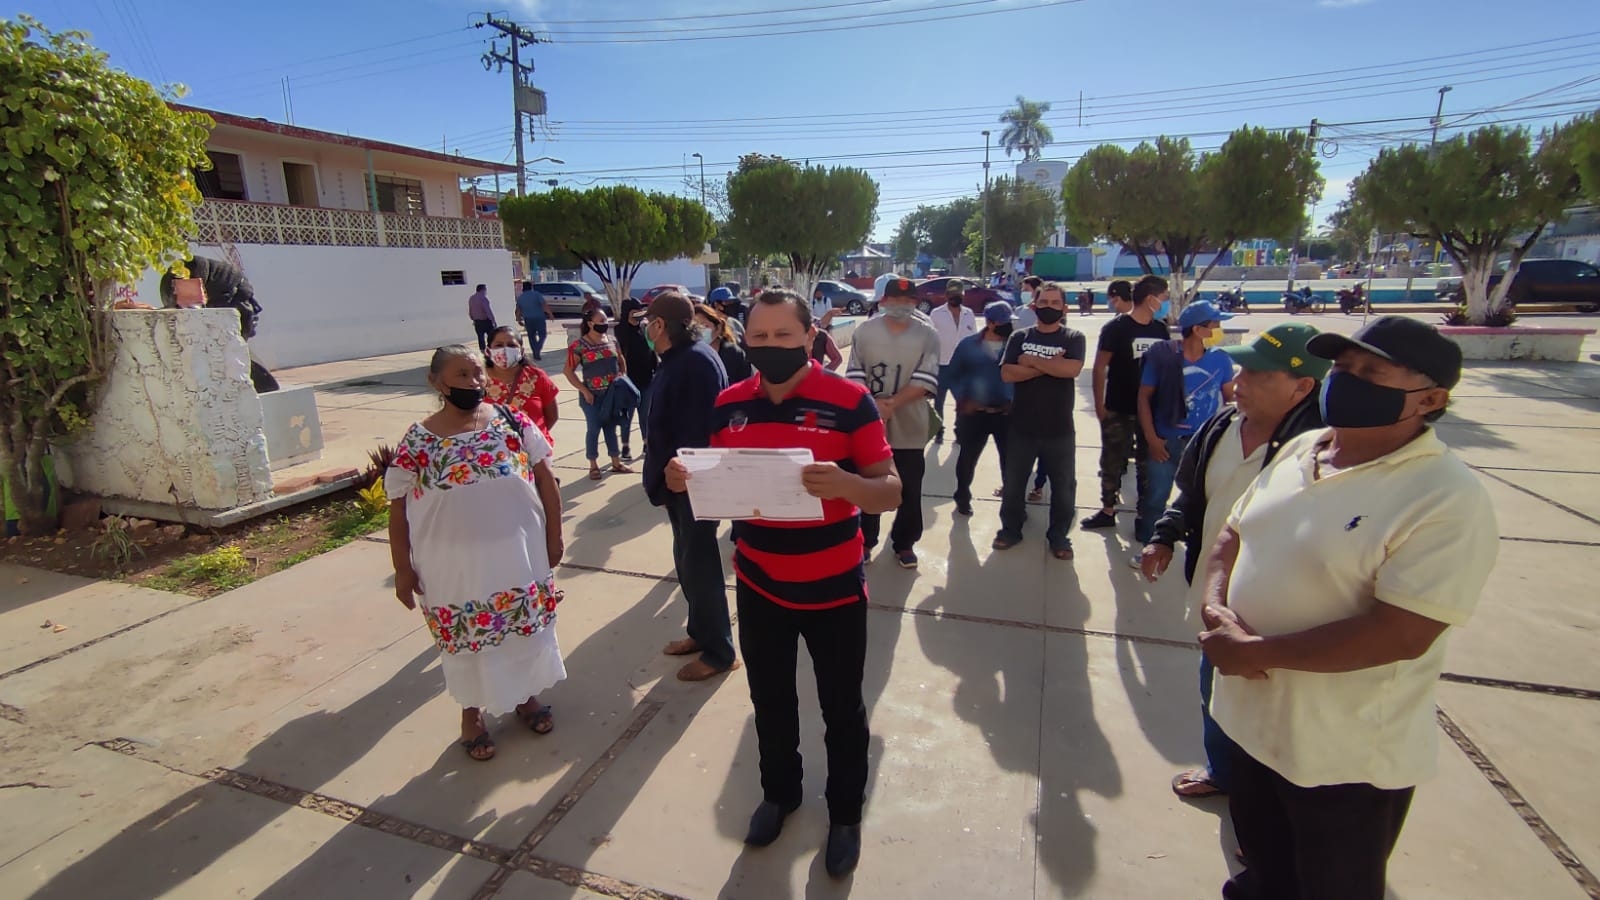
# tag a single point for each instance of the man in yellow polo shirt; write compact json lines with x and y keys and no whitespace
{"x":1327,"y":600}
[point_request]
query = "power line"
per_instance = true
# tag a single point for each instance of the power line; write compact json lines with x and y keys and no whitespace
{"x":726,"y":15}
{"x":782,"y":24}
{"x":1043,"y":4}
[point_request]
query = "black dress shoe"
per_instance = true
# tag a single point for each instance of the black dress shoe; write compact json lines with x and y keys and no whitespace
{"x":844,"y":849}
{"x":766,"y":823}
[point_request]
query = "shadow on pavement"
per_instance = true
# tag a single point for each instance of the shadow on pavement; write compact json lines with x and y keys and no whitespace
{"x":161,"y":851}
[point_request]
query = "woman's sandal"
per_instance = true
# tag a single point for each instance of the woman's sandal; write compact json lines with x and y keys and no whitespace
{"x":596,"y":475}
{"x":481,"y":742}
{"x":622,"y":469}
{"x":540,"y":717}
{"x":1193,"y":784}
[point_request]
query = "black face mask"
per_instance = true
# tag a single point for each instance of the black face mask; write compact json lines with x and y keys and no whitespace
{"x":1049,"y":315}
{"x":600,"y":329}
{"x":777,"y":364}
{"x":465,"y":399}
{"x":1003,"y":331}
{"x":953,"y":302}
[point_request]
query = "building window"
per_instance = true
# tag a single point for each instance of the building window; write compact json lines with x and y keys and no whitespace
{"x":402,"y":196}
{"x":224,"y":180}
{"x":450,"y":277}
{"x":301,"y":181}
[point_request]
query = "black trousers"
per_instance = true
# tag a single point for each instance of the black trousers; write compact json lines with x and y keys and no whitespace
{"x":1322,"y":843}
{"x":1055,"y":456}
{"x":484,"y":328}
{"x":836,"y":638}
{"x":907,"y":527}
{"x":973,"y":431}
{"x":699,"y":563}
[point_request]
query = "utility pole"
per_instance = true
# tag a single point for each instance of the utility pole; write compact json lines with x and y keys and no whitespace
{"x":519,"y":37}
{"x":983,"y":260}
{"x":1311,"y":147}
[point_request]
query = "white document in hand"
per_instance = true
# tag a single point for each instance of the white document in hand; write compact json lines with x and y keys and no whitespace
{"x":749,"y":484}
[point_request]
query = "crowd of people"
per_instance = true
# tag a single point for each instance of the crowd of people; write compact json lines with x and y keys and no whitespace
{"x":1330,"y":538}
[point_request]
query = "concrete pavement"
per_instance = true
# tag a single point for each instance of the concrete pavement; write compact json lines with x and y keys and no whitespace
{"x":292,"y":737}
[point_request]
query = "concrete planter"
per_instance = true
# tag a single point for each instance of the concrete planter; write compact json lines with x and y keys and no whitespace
{"x":1517,"y":342}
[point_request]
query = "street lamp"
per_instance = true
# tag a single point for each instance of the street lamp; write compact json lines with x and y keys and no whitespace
{"x":559,"y":162}
{"x":702,"y":178}
{"x":983,"y":259}
{"x":1438,"y":115}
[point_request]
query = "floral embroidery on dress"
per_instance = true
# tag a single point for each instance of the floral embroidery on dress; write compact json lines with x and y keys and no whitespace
{"x":487,"y":623}
{"x":586,"y":354}
{"x":444,"y":463}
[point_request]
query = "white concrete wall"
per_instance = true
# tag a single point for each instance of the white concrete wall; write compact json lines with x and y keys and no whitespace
{"x":178,"y":422}
{"x":675,"y":271}
{"x":321,"y":304}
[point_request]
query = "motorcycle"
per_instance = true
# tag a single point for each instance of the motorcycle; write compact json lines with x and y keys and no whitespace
{"x":1234,"y":300}
{"x":1354,"y":301}
{"x":1296,"y":302}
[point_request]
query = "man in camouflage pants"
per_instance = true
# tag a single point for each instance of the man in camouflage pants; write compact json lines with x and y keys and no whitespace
{"x":1116,"y":393}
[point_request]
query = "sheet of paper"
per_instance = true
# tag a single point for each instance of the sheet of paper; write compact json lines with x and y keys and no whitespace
{"x":749,"y":484}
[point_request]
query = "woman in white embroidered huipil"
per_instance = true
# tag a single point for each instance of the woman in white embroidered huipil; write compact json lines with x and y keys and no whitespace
{"x":475,"y":531}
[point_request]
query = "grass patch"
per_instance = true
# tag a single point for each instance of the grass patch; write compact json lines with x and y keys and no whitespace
{"x":269,"y":547}
{"x":222,"y":569}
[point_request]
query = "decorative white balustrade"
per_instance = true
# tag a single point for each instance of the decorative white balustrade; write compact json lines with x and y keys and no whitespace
{"x":236,"y":222}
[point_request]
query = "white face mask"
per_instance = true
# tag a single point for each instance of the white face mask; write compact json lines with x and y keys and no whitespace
{"x":505,"y":357}
{"x":1027,"y":297}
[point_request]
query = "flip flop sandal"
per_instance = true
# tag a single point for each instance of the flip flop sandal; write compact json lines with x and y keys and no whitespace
{"x":541,"y":716}
{"x":1193,"y":784}
{"x":622,"y":470}
{"x":481,"y":742}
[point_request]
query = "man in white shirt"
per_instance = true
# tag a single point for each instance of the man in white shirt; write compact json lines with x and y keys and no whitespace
{"x":1326,"y":605}
{"x":954,"y":323}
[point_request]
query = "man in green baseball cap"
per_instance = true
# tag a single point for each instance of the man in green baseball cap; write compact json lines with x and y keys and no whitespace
{"x":1275,"y":399}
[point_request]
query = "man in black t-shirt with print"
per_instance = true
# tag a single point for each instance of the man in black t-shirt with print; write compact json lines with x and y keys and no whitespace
{"x":1041,"y":362}
{"x":1116,"y":396}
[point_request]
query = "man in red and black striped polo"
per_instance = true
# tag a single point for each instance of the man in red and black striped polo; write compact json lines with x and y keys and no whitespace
{"x":805,"y":579}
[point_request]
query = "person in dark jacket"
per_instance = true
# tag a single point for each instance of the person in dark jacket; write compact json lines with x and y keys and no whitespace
{"x":719,"y":336}
{"x":684,"y":393}
{"x":1275,"y":397}
{"x":641,"y":360}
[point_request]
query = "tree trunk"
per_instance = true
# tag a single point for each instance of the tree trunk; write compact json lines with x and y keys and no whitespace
{"x":24,"y":476}
{"x":1476,"y":266}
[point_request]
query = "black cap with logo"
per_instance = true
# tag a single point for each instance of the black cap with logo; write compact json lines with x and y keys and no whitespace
{"x":1416,"y":345}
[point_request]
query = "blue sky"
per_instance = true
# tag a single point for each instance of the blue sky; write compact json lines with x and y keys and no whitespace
{"x":905,"y":86}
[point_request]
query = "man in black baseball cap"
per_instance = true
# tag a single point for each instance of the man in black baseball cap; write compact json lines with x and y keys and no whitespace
{"x":1329,"y":595}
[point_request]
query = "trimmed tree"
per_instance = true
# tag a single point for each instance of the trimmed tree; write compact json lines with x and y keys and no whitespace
{"x":1586,"y":154}
{"x":1020,"y":212}
{"x":807,"y":214}
{"x":1163,"y":201}
{"x":613,"y":230}
{"x":1482,"y":196}
{"x":95,"y":187}
{"x":939,"y":231}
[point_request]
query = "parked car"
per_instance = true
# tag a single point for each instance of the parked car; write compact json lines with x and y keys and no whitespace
{"x":649,"y":295}
{"x":566,"y":298}
{"x":974,"y":294}
{"x":844,"y":297}
{"x":1541,"y":281}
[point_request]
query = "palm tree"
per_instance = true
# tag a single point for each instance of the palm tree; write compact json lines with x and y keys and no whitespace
{"x":1025,"y":129}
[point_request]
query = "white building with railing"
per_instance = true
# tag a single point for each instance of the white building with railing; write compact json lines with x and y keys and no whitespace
{"x":355,"y":247}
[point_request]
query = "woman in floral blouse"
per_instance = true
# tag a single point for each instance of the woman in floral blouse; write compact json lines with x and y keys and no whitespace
{"x":518,"y":383}
{"x":593,"y":364}
{"x":475,"y":531}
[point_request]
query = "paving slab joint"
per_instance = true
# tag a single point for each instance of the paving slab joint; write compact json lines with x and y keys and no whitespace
{"x":1530,"y":816}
